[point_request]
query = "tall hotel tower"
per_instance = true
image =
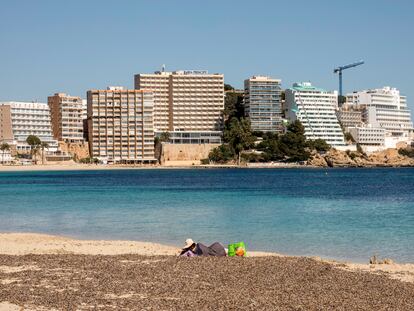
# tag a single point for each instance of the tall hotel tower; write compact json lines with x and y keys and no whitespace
{"x":67,"y":113}
{"x":120,"y":125}
{"x":262,"y":101}
{"x":187,"y":104}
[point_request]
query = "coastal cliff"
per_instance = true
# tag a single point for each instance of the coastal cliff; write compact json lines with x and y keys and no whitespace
{"x":336,"y":158}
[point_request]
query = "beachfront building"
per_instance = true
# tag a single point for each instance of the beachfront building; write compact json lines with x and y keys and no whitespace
{"x":187,"y":103}
{"x":67,"y":113}
{"x":368,"y":136}
{"x":315,"y":108}
{"x":349,"y":116}
{"x":387,"y":109}
{"x":18,"y":120}
{"x":120,"y":125}
{"x":262,"y":102}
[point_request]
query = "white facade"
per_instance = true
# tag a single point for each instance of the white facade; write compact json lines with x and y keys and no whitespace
{"x":374,"y":136}
{"x":28,"y":118}
{"x":385,"y":108}
{"x":262,"y":102}
{"x":5,"y":157}
{"x":315,"y":108}
{"x":84,"y":109}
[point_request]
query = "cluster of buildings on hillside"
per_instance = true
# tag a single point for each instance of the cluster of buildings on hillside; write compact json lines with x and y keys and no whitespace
{"x":119,"y":125}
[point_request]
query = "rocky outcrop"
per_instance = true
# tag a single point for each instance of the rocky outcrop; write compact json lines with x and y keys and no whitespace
{"x":336,"y":158}
{"x":78,"y":150}
{"x":317,"y":160}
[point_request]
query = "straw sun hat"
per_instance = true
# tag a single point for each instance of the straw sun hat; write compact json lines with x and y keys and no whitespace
{"x":188,"y":243}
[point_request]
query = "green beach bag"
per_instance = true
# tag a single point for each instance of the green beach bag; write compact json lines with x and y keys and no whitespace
{"x":232,"y":249}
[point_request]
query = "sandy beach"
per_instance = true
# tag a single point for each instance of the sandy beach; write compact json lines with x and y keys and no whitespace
{"x":43,"y":272}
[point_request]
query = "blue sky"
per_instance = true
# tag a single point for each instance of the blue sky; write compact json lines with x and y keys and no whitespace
{"x":72,"y":46}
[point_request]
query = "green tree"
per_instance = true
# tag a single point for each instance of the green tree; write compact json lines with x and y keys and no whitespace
{"x":233,"y":106}
{"x":348,"y":137}
{"x":359,"y":149}
{"x":34,"y":143}
{"x":221,"y":154}
{"x":319,"y":145}
{"x":239,"y":136}
{"x":4,"y":147}
{"x":33,"y":140}
{"x":157,"y":148}
{"x":228,"y":87}
{"x":409,"y":152}
{"x":270,"y":147}
{"x":165,"y":137}
{"x":293,"y":144}
{"x":341,"y":100}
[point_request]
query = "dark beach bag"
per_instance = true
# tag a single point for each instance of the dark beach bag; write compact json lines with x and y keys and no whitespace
{"x":215,"y":249}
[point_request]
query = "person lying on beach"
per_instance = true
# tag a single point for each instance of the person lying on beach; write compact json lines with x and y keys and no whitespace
{"x":192,"y":249}
{"x":189,"y":249}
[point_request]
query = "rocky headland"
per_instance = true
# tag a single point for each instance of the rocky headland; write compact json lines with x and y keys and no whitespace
{"x":336,"y":158}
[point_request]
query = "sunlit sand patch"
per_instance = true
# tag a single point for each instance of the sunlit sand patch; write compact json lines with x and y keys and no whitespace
{"x":126,"y":296}
{"x":11,"y":269}
{"x":402,"y":272}
{"x":9,"y":281}
{"x":146,"y":261}
{"x":7,"y":306}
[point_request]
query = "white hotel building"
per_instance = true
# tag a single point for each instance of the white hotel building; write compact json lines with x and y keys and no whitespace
{"x":18,"y":120}
{"x":387,"y":109}
{"x":368,"y":136}
{"x":315,"y":108}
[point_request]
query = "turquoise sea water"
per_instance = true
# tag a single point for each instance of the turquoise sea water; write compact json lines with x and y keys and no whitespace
{"x":346,"y":214}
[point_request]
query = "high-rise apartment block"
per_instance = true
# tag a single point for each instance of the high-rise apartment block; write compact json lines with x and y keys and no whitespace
{"x":384,"y":108}
{"x":120,"y":125}
{"x":262,"y":102}
{"x":67,"y":113}
{"x":188,"y":104}
{"x":18,"y":120}
{"x":315,"y":108}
